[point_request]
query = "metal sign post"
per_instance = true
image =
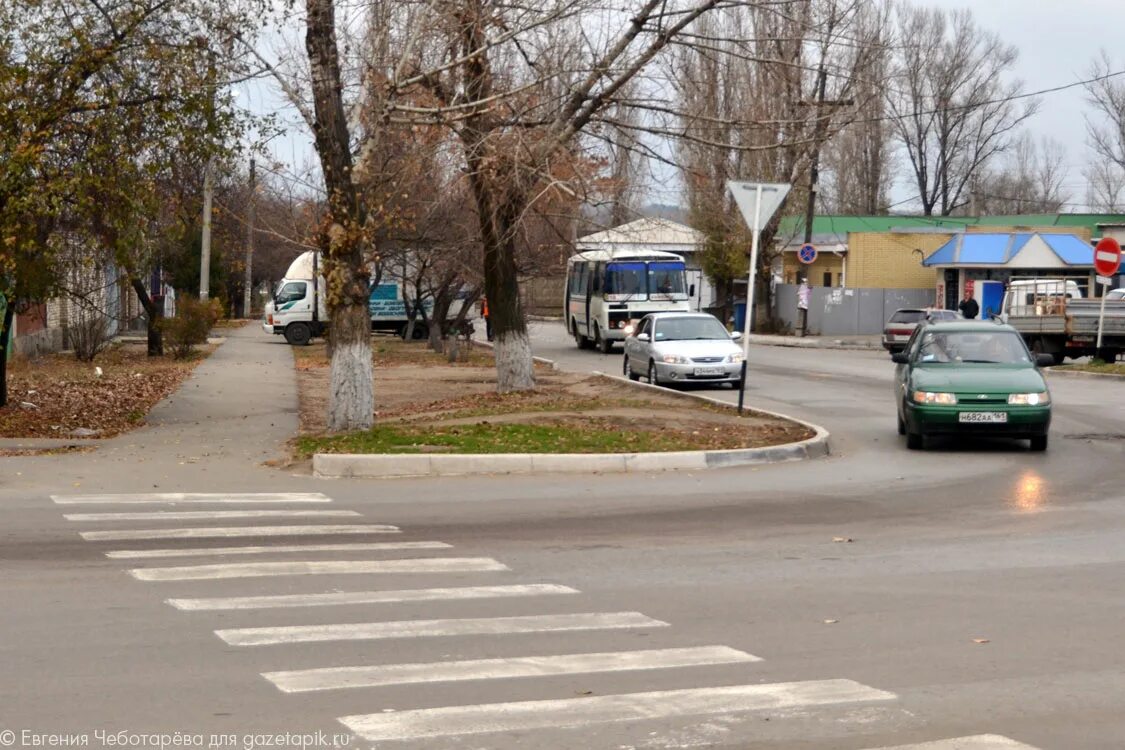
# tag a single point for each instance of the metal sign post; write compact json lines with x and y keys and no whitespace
{"x":758,"y":202}
{"x":1107,"y":260}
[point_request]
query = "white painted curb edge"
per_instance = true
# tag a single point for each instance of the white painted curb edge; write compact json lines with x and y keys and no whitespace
{"x":397,"y":465}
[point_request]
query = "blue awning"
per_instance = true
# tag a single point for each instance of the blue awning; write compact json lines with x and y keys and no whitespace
{"x":997,"y":250}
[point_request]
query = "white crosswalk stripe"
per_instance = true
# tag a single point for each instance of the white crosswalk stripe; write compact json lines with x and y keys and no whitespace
{"x":424,"y":724}
{"x":336,"y":598}
{"x":142,"y":554}
{"x":199,"y":515}
{"x":578,"y":712}
{"x":188,"y":498}
{"x":216,"y":532}
{"x":976,"y":742}
{"x":318,"y":567}
{"x":334,"y":678}
{"x":434,"y":628}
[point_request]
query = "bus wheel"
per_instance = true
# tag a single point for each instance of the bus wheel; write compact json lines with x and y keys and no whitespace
{"x":604,"y":345}
{"x":579,"y":340}
{"x":298,"y":334}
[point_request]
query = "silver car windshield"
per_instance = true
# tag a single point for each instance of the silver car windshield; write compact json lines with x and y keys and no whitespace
{"x":1001,"y":347}
{"x":689,"y":329}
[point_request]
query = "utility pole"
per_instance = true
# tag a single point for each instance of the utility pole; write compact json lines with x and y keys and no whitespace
{"x":249,"y":281}
{"x":205,"y":260}
{"x":208,"y":191}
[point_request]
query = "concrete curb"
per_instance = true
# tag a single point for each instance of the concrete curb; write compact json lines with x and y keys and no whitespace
{"x":397,"y":465}
{"x":799,"y":343}
{"x":1052,"y":372}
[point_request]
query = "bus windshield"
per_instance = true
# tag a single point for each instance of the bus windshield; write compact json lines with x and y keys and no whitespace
{"x":666,"y":279}
{"x":624,"y":280}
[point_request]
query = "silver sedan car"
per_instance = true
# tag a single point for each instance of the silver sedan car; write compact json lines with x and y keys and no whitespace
{"x":676,"y":347}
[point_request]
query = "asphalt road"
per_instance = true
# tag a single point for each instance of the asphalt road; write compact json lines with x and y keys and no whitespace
{"x":646,"y":598}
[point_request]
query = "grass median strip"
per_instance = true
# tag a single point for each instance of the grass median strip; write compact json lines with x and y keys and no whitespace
{"x":588,"y":435}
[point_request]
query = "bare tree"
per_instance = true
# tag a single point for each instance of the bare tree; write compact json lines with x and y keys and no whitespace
{"x":1029,"y":180}
{"x":860,"y":158}
{"x":954,"y":109}
{"x":1105,"y":186}
{"x":759,"y":103}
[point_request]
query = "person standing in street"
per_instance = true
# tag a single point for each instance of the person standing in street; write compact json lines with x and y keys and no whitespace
{"x":969,"y":307}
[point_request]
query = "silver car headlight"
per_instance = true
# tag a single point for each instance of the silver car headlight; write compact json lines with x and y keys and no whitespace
{"x":675,"y":359}
{"x":1030,"y":399}
{"x":735,"y":358}
{"x":929,"y":397}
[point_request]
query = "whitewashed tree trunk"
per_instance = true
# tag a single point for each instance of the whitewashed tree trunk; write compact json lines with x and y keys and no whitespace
{"x":514,"y":365}
{"x":351,"y":394}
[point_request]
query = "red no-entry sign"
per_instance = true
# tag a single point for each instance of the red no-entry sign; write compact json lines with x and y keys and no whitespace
{"x":1107,"y":256}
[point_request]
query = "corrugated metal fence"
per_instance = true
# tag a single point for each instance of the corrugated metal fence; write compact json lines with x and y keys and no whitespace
{"x":843,"y":312}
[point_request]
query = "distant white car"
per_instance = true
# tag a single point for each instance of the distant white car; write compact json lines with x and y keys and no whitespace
{"x":674,"y":347}
{"x":1117,"y":295}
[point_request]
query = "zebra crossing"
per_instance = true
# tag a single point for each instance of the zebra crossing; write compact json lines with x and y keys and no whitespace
{"x":372,"y":561}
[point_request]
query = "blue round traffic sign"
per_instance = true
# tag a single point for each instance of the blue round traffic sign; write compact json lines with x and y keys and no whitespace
{"x":807,"y":254}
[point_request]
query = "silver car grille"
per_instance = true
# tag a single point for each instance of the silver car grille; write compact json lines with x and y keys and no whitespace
{"x":706,"y":360}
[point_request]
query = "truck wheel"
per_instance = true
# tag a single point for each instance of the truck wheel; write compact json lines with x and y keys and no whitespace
{"x":421,"y":331}
{"x":298,"y":334}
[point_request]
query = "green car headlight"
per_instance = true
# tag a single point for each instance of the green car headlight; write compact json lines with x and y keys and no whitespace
{"x":1029,"y":399}
{"x":929,"y":397}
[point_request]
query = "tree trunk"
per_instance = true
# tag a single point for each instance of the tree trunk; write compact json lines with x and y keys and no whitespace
{"x":442,"y":302}
{"x":154,"y":312}
{"x":351,"y":397}
{"x":5,"y":330}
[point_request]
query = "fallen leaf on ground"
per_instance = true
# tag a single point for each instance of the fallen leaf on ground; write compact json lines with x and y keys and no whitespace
{"x":980,"y":640}
{"x":841,"y":539}
{"x":830,"y":622}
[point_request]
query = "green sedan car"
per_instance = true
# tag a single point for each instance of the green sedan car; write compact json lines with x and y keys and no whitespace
{"x":971,"y":378}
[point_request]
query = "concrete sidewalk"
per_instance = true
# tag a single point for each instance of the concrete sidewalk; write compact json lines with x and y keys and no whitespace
{"x":232,"y":415}
{"x":860,"y":343}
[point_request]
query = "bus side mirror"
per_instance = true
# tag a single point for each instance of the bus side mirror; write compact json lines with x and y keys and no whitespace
{"x":691,"y":291}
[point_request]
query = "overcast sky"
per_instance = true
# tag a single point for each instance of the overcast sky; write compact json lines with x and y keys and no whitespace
{"x":1056,"y":40}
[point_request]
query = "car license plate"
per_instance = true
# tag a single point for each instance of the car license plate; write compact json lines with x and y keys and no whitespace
{"x":983,"y":417}
{"x":708,"y":371}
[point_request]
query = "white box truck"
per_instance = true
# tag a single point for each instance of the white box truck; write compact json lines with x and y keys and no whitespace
{"x":298,"y":310}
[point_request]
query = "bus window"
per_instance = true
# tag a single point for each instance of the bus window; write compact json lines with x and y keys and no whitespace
{"x":625,"y":280}
{"x":599,"y":269}
{"x":666,"y":278}
{"x":579,"y":285}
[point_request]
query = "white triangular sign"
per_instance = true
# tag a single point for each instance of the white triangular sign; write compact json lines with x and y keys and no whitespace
{"x":745,"y":196}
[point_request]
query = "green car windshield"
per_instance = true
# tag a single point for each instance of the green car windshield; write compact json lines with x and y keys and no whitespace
{"x":985,"y":347}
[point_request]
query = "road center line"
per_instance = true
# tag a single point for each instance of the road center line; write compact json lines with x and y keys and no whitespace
{"x":140,"y":554}
{"x":337,"y":598}
{"x":317,"y":567}
{"x":434,"y":628}
{"x":188,"y":498}
{"x":198,"y":515}
{"x":236,"y":531}
{"x":333,"y":678}
{"x":576,"y":712}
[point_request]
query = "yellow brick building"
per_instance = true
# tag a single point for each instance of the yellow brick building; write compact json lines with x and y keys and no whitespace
{"x":888,"y":260}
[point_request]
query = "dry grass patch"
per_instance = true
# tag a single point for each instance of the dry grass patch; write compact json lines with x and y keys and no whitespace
{"x":55,"y":396}
{"x":427,"y":405}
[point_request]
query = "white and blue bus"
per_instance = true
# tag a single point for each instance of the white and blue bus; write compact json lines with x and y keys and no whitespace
{"x":605,"y":290}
